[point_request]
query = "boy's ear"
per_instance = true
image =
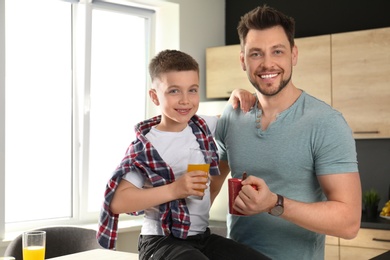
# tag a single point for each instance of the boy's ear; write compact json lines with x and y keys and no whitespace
{"x":153,"y":96}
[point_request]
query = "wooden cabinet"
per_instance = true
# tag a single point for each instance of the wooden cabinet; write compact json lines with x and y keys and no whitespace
{"x":361,"y":80}
{"x":224,"y":72}
{"x":313,"y":70}
{"x":332,"y":248}
{"x":367,"y":244}
{"x":350,"y":71}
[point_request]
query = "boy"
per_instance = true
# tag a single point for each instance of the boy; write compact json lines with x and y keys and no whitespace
{"x":153,"y":178}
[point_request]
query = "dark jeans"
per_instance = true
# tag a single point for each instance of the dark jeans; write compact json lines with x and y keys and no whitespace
{"x":202,"y":246}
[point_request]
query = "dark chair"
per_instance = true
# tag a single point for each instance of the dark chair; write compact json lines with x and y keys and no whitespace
{"x":62,"y":240}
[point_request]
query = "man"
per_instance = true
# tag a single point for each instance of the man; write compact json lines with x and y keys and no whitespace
{"x":298,"y":151}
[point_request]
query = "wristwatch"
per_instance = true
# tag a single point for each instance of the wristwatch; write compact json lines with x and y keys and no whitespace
{"x":278,"y":209}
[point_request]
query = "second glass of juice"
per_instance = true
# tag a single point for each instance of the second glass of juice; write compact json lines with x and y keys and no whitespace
{"x":34,"y":244}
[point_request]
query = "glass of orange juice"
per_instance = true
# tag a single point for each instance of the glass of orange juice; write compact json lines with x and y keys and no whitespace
{"x":199,"y":160}
{"x":34,"y":244}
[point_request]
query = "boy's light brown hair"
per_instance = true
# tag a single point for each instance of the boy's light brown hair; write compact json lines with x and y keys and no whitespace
{"x":171,"y":60}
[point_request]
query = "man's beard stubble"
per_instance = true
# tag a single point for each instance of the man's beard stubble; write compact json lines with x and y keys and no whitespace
{"x":282,"y":85}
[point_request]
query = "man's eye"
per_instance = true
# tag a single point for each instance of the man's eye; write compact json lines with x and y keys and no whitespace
{"x":255,"y":54}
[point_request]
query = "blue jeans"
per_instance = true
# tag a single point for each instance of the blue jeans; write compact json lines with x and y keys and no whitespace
{"x":198,"y":247}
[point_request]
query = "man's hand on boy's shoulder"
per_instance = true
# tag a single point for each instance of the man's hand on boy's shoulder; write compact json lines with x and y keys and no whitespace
{"x":243,"y":98}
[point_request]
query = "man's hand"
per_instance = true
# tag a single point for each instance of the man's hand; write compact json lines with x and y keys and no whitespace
{"x":252,"y":201}
{"x":244,"y":98}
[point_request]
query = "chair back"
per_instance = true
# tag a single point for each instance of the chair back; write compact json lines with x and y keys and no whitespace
{"x":61,"y":240}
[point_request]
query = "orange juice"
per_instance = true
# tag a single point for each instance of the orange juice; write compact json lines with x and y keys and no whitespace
{"x":199,"y":167}
{"x":34,"y":253}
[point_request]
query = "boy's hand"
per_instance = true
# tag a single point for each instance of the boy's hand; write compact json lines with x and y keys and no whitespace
{"x":189,"y":184}
{"x":244,"y":98}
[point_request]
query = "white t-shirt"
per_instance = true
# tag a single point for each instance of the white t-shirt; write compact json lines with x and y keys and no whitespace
{"x":173,"y":148}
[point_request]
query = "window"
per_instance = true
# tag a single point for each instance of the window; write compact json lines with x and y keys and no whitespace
{"x":38,"y":120}
{"x":75,"y":83}
{"x":118,"y":93}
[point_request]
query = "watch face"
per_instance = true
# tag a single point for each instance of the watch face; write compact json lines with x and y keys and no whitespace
{"x":277,"y":210}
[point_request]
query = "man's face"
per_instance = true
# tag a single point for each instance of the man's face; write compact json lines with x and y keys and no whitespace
{"x":268,"y":60}
{"x":177,"y":94}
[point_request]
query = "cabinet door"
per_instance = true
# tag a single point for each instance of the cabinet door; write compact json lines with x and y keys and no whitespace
{"x":358,"y":253}
{"x":224,"y":72}
{"x":369,"y":238}
{"x":312,"y":73}
{"x":331,"y":248}
{"x":361,"y":81}
{"x":313,"y":70}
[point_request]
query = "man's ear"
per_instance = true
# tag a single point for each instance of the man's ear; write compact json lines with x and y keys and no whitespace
{"x":294,"y":55}
{"x":242,"y":60}
{"x":153,"y":96}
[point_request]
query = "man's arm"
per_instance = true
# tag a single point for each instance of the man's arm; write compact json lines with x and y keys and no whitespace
{"x":217,"y":181}
{"x":339,"y":215}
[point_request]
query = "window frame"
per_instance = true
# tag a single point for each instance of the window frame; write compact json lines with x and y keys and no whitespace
{"x":164,"y":26}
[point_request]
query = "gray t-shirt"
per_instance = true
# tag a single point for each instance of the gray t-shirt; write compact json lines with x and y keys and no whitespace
{"x":309,"y":138}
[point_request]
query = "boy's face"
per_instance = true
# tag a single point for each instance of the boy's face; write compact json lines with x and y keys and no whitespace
{"x":177,"y":94}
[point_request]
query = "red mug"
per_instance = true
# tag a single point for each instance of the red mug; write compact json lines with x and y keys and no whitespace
{"x":234,"y":186}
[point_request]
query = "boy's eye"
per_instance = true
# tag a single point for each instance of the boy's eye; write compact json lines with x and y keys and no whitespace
{"x":194,"y":90}
{"x":173,"y":91}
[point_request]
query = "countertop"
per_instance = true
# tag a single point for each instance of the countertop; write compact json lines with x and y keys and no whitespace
{"x":377,"y":223}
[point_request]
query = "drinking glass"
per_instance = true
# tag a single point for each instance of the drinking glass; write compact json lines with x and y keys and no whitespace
{"x":34,"y":244}
{"x":199,"y":160}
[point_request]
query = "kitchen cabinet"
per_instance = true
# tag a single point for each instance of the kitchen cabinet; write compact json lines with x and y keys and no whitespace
{"x":361,"y":80}
{"x":224,"y":72}
{"x":367,"y":244}
{"x":349,"y":71}
{"x":313,"y":70}
{"x":332,"y":248}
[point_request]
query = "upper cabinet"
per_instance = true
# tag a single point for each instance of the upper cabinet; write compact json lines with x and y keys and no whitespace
{"x":224,"y":72}
{"x":349,"y":71}
{"x":361,"y":80}
{"x":313,"y":70}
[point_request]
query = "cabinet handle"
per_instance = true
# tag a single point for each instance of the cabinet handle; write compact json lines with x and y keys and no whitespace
{"x":381,"y":240}
{"x":366,"y":132}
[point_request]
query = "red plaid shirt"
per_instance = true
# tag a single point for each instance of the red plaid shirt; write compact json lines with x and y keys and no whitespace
{"x":142,"y":157}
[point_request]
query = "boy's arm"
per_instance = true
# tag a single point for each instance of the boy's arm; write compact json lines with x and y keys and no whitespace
{"x":129,"y":198}
{"x":217,"y":181}
{"x":243,"y":98}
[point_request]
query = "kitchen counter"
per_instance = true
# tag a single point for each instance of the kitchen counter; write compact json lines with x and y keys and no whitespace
{"x":377,"y":223}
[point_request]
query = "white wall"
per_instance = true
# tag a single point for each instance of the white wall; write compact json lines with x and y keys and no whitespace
{"x":202,"y":25}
